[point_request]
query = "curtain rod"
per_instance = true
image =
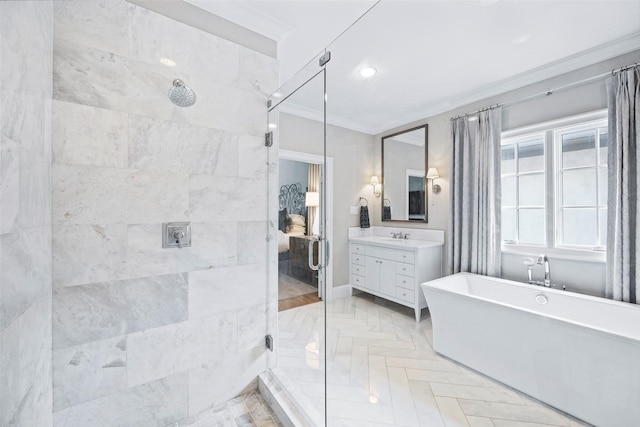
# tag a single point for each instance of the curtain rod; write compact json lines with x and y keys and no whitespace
{"x":550,"y":91}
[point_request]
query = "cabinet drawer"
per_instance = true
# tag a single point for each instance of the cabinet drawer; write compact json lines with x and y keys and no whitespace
{"x":405,"y":294}
{"x":405,"y":282}
{"x":357,"y":280}
{"x":406,"y":269}
{"x":357,"y":259}
{"x":406,"y":256}
{"x":357,"y":269}
{"x":357,"y":248}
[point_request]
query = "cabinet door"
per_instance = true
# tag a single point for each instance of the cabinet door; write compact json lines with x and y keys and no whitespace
{"x":388,"y":277}
{"x":372,"y":273}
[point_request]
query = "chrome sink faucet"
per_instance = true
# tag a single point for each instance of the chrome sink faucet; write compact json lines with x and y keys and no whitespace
{"x":542,"y":260}
{"x":397,"y":235}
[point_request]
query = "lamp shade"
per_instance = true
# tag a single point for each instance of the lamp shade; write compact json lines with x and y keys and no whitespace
{"x":432,"y":173}
{"x":311,"y":199}
{"x":374,"y":180}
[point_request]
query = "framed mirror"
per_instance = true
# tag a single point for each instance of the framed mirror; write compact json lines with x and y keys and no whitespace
{"x":404,"y":165}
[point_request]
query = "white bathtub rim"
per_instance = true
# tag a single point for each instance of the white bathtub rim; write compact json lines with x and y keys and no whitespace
{"x":434,"y":285}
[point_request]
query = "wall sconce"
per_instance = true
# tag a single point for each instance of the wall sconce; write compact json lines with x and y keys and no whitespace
{"x":376,"y":185}
{"x":432,"y":174}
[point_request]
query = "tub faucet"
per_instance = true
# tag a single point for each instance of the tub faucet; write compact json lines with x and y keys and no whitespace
{"x":544,"y":260}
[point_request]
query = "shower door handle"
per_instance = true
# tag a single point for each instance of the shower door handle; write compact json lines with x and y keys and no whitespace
{"x":313,"y":266}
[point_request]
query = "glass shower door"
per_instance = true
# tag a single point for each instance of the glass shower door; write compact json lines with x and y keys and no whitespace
{"x":298,"y":250}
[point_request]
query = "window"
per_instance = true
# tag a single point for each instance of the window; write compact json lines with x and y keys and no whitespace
{"x":554,"y":184}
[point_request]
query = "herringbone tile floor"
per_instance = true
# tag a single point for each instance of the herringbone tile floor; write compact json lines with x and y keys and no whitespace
{"x":382,"y":371}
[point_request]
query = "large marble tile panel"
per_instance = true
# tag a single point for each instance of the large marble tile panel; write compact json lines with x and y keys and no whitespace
{"x":84,"y":135}
{"x":99,"y":24}
{"x":157,"y":197}
{"x":9,"y":184}
{"x":212,"y":384}
{"x":226,"y":288}
{"x":88,"y":371}
{"x":257,"y":72}
{"x":154,"y":37}
{"x":84,"y":254}
{"x":25,"y":362}
{"x":35,"y":190}
{"x":158,"y":403}
{"x":25,"y":271}
{"x":212,"y":245}
{"x":252,"y":242}
{"x":178,"y":347}
{"x":93,"y":77}
{"x":252,"y":158}
{"x":99,"y":311}
{"x":25,"y":87}
{"x":178,"y":147}
{"x":89,"y":195}
{"x":252,"y":327}
{"x":226,"y":199}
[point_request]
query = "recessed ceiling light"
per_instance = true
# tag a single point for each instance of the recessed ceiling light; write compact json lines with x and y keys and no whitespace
{"x":367,"y":71}
{"x":168,"y":62}
{"x":521,"y":39}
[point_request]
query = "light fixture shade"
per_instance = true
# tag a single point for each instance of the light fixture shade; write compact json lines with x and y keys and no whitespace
{"x":432,"y":173}
{"x":312,"y":199}
{"x":374,"y":180}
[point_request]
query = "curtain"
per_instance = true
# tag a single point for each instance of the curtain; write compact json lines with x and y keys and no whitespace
{"x":623,"y":241}
{"x":474,"y":219}
{"x":314,"y":186}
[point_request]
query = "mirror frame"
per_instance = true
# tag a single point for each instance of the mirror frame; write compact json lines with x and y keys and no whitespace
{"x":426,"y":157}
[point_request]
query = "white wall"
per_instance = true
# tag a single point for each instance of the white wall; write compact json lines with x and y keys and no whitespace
{"x":586,"y":277}
{"x":26,"y":48}
{"x":144,"y":335}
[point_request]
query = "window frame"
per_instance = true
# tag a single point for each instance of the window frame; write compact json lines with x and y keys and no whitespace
{"x":552,"y":195}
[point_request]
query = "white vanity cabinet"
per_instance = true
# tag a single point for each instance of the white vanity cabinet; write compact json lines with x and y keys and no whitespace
{"x":394,"y":269}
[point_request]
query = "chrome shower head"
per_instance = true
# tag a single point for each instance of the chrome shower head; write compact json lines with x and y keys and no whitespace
{"x":181,"y":95}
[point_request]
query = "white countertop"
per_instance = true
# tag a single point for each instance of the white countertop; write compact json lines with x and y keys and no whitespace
{"x":395,"y":243}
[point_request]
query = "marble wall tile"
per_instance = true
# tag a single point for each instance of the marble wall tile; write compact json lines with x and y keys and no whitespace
{"x":35,"y":190}
{"x":82,"y":314}
{"x":101,"y":24}
{"x":252,"y":242}
{"x":226,"y":199}
{"x":25,"y":271}
{"x":88,"y":371}
{"x":257,"y":72}
{"x":154,"y":36}
{"x":89,"y":195}
{"x":226,"y":288}
{"x":212,"y":245}
{"x":9,"y":184}
{"x":84,"y":135}
{"x":97,"y":195}
{"x":84,"y":254}
{"x":252,"y":160}
{"x":212,"y":384}
{"x":25,"y":86}
{"x":177,"y":347}
{"x":25,"y":363}
{"x":100,"y":79}
{"x":252,"y":327}
{"x":157,"y":197}
{"x":158,"y":403}
{"x":177,"y":147}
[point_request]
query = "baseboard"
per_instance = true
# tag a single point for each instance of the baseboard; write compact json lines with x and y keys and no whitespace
{"x":340,"y":292}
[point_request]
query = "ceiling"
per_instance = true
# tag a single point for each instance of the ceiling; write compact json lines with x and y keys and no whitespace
{"x":432,"y":55}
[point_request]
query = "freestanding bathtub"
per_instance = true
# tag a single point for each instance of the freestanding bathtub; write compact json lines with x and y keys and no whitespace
{"x":577,"y":353}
